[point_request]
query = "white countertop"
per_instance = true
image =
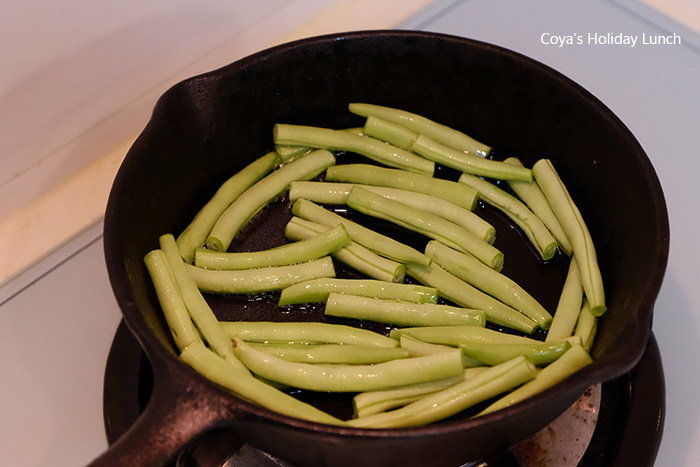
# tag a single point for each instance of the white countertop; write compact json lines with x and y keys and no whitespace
{"x":80,"y":77}
{"x":57,"y":312}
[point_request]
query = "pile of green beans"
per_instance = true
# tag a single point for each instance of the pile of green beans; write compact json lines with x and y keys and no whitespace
{"x":442,"y":354}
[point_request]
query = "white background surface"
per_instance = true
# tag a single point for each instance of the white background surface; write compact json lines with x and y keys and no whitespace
{"x":55,"y":333}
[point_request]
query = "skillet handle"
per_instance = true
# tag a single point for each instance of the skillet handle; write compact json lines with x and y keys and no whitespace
{"x":176,"y":415}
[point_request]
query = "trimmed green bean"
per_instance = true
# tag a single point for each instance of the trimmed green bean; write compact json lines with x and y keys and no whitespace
{"x":365,"y":174}
{"x":440,"y":207}
{"x":492,"y":354}
{"x":531,"y":194}
{"x":425,"y":223}
{"x":170,"y":299}
{"x":340,"y":140}
{"x":390,"y":132}
{"x":195,"y":235}
{"x":311,"y":333}
{"x":468,"y":163}
{"x":349,"y":378}
{"x":262,"y":193}
{"x":344,"y":354}
{"x":202,"y":315}
{"x":289,"y":153}
{"x":573,"y":360}
{"x":317,"y":291}
{"x":568,"y":306}
{"x":418,"y":348}
{"x":576,"y":231}
{"x":539,"y":235}
{"x":421,"y":124}
{"x":304,"y":250}
{"x":378,"y":243}
{"x":373,"y":402}
{"x":463,"y":294}
{"x":400,"y":313}
{"x":251,"y":281}
{"x":214,"y":368}
{"x":353,"y":254}
{"x":337,"y":193}
{"x":586,"y":326}
{"x":320,"y":192}
{"x":497,"y":285}
{"x":454,"y":399}
{"x":453,"y":336}
{"x":357,"y":131}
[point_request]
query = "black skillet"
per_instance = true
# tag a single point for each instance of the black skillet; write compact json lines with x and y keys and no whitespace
{"x":208,"y":127}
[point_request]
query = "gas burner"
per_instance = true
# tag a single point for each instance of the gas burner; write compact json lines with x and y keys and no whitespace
{"x":615,"y":424}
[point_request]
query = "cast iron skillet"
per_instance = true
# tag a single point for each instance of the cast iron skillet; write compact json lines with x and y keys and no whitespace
{"x":208,"y":127}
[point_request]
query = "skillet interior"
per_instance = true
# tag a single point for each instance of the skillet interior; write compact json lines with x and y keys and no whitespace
{"x":206,"y":128}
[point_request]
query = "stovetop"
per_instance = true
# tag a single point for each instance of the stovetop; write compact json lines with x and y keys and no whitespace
{"x":59,"y":317}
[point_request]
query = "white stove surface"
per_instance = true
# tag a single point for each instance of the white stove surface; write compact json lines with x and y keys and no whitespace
{"x":58,"y":318}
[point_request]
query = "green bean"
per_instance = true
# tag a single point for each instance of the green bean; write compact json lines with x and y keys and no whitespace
{"x":212,"y":367}
{"x":252,"y":281}
{"x":417,"y":348}
{"x":345,"y":354}
{"x":378,"y":243}
{"x":400,"y":313}
{"x":492,"y":354}
{"x":541,"y":238}
{"x":421,"y":124}
{"x":425,"y":223}
{"x":317,"y":291}
{"x":308,"y":249}
{"x":349,"y":378}
{"x":454,"y":399}
{"x":499,"y":286}
{"x":196,"y":232}
{"x":364,"y":174}
{"x":576,"y":231}
{"x":289,"y":153}
{"x":310,"y":333}
{"x":390,"y":132}
{"x":357,"y":131}
{"x":468,"y":163}
{"x":353,"y":254}
{"x":573,"y":360}
{"x":586,"y":326}
{"x":463,"y":294}
{"x":531,"y":194}
{"x":337,"y":193}
{"x":453,"y":336}
{"x":320,"y":192}
{"x":262,"y":193}
{"x":440,"y":207}
{"x":568,"y":306}
{"x":340,"y":140}
{"x":373,"y":402}
{"x":174,"y":309}
{"x":202,"y":315}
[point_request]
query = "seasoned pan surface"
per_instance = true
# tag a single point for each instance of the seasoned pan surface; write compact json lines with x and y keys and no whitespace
{"x":205,"y":129}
